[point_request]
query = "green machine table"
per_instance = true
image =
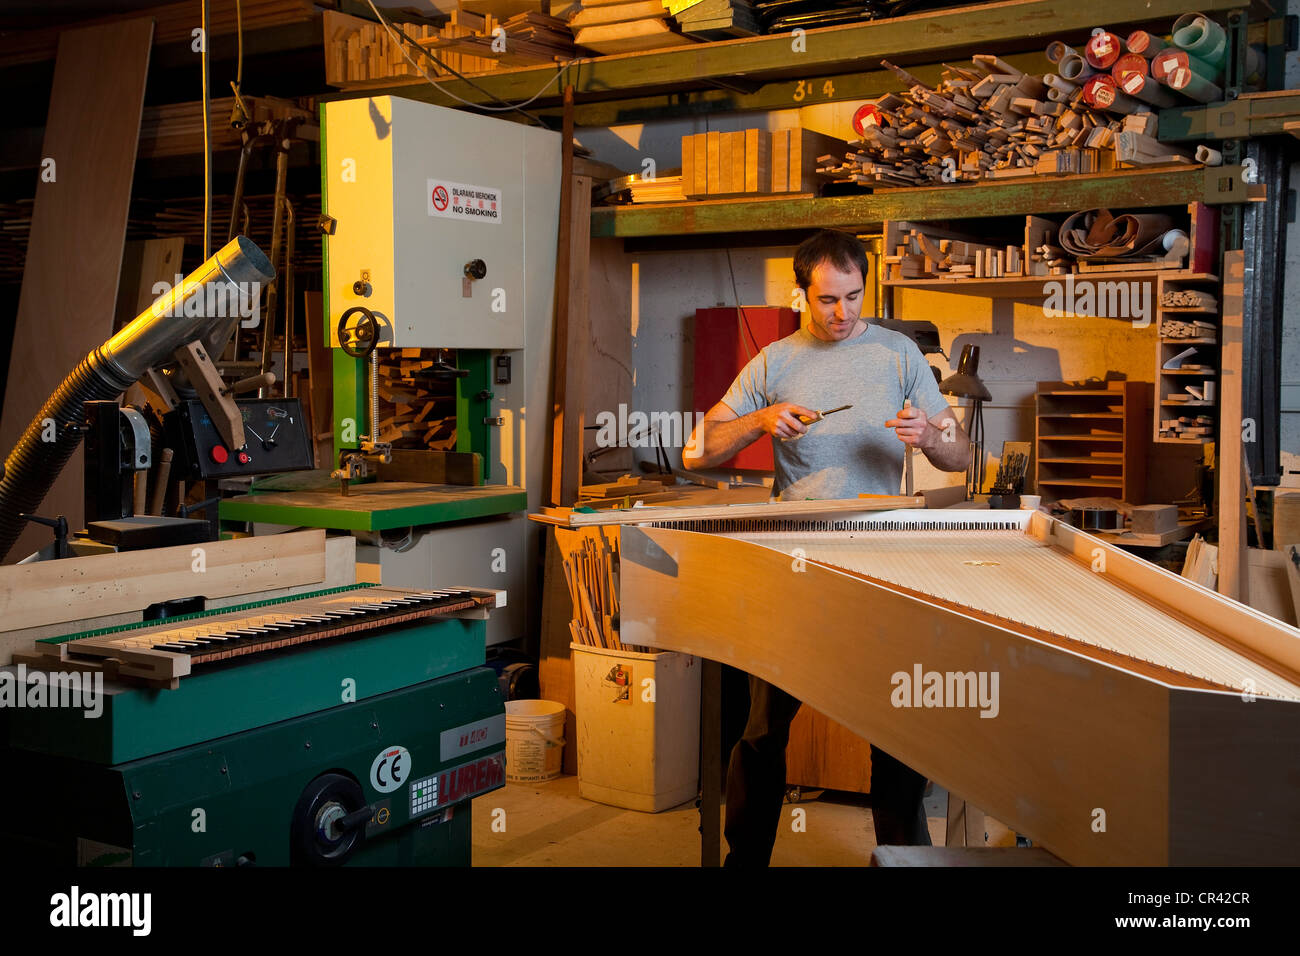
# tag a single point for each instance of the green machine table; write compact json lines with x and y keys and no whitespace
{"x":362,"y":747}
{"x":314,"y":501}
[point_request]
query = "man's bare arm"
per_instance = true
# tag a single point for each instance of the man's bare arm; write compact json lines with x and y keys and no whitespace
{"x":723,"y":432}
{"x":941,"y":438}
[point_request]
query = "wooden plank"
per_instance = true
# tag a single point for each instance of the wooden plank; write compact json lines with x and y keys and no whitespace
{"x":1041,"y":195}
{"x":1234,"y":579}
{"x":426,"y":466}
{"x":74,"y":255}
{"x":320,"y":371}
{"x":51,"y":592}
{"x":144,"y":264}
{"x":825,"y":755}
{"x":765,"y":509}
{"x":611,"y":285}
{"x":555,"y":667}
{"x":561,"y":387}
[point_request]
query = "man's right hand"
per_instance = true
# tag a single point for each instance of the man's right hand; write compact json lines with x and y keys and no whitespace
{"x":782,"y":420}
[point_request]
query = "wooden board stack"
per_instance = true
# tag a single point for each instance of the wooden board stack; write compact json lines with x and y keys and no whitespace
{"x":358,"y":51}
{"x":633,"y":189}
{"x":1188,"y":299}
{"x":173,"y":23}
{"x":913,"y":251}
{"x":414,"y":413}
{"x":619,"y":26}
{"x":754,"y":161}
{"x":992,"y":122}
{"x":716,"y":19}
{"x":177,"y":129}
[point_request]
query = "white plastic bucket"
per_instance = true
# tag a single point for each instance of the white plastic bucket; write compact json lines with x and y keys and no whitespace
{"x":534,"y":740}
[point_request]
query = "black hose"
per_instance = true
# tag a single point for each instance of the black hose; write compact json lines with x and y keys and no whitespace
{"x":34,"y":464}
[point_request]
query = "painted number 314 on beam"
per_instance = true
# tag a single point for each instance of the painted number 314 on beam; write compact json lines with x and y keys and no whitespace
{"x":803,"y":88}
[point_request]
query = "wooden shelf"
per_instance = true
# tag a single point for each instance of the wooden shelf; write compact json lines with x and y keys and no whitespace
{"x":1099,"y":459}
{"x":1120,"y":465}
{"x":1189,"y":309}
{"x":1032,"y":195}
{"x":1115,"y":415}
{"x":1118,"y":438}
{"x":1169,"y":341}
{"x":1080,"y":483}
{"x":741,"y":64}
{"x":1204,"y":372}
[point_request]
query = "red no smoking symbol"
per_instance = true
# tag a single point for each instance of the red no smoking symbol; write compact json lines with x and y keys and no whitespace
{"x":440,"y":198}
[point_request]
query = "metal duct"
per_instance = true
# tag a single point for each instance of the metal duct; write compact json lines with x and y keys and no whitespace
{"x":182,"y":315}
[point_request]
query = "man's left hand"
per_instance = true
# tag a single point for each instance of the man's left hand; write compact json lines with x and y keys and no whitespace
{"x":912,"y":426}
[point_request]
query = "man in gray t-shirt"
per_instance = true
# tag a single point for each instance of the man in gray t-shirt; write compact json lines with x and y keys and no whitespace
{"x":839,"y":359}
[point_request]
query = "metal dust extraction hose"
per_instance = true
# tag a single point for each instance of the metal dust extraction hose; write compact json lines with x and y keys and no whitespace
{"x":178,"y":317}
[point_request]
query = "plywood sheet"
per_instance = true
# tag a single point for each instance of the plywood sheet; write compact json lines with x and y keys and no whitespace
{"x":74,"y":258}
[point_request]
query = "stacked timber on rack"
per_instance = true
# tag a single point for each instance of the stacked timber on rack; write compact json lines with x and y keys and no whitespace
{"x":754,"y":161}
{"x":994,"y":121}
{"x":177,"y":128}
{"x":926,"y":251}
{"x":716,"y":19}
{"x":173,"y":23}
{"x":625,"y":27}
{"x":359,"y":51}
{"x":637,"y":189}
{"x":413,"y":412}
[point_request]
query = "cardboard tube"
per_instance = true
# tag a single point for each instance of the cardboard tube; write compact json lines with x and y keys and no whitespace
{"x":1144,"y":43}
{"x":1102,"y":93}
{"x":1102,"y":50}
{"x":1201,"y":37}
{"x":1210,"y":157}
{"x":1175,"y":69}
{"x":1075,"y":68}
{"x":1056,"y":50}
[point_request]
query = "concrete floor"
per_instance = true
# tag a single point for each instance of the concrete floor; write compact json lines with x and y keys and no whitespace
{"x":548,"y":824}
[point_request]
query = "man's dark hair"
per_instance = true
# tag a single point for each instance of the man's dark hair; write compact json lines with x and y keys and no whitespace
{"x":840,"y":249}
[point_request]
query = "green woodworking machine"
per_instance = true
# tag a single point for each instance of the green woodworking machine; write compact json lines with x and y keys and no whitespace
{"x":440,"y":243}
{"x":342,"y":725}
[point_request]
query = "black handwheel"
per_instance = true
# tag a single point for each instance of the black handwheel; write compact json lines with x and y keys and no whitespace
{"x":324,"y":830}
{"x":358,"y":341}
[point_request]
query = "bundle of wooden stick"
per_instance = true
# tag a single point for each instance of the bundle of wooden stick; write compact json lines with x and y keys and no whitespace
{"x":591,"y":573}
{"x":991,"y":122}
{"x":1188,"y":299}
{"x":1176,"y":329}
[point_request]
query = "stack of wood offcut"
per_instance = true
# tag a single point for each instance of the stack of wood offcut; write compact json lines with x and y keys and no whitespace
{"x":413,"y":413}
{"x":173,"y":23}
{"x":993,"y":121}
{"x":754,"y":161}
{"x":358,"y":51}
{"x":625,"y":26}
{"x":715,"y":19}
{"x":1188,"y":299}
{"x":1195,"y":329}
{"x":926,"y":251}
{"x":176,"y":129}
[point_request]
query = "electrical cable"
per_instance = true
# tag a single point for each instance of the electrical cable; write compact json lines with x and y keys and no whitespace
{"x":740,"y":312}
{"x":207,"y":137}
{"x":505,"y":107}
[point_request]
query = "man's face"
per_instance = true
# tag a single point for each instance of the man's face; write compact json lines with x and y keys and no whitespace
{"x":834,"y":302}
